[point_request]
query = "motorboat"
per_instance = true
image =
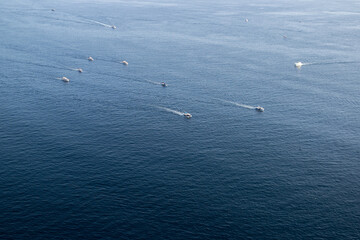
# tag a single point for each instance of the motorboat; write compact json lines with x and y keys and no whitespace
{"x":65,"y":79}
{"x":113,"y":27}
{"x":259,"y":109}
{"x":246,"y":20}
{"x":90,"y":59}
{"x":125,"y":62}
{"x":187,"y":115}
{"x":79,"y":70}
{"x":163,"y":84}
{"x":298,"y":64}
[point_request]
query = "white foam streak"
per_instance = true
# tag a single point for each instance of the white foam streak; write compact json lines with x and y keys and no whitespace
{"x":236,"y":104}
{"x":152,"y":82}
{"x":97,"y":22}
{"x":327,"y":63}
{"x":172,"y":111}
{"x":304,"y":64}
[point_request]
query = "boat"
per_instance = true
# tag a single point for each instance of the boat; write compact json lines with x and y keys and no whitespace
{"x":246,"y":20}
{"x":79,"y":70}
{"x":90,"y":59}
{"x":65,"y":79}
{"x":53,"y":9}
{"x":163,"y":84}
{"x":298,"y":64}
{"x":259,"y":109}
{"x":113,"y":27}
{"x":187,"y":115}
{"x":125,"y":62}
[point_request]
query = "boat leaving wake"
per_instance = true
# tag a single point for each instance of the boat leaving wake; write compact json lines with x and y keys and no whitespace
{"x":171,"y":110}
{"x":100,"y":23}
{"x":77,"y":69}
{"x":152,"y":82}
{"x":300,"y":64}
{"x":64,"y":79}
{"x":237,"y":104}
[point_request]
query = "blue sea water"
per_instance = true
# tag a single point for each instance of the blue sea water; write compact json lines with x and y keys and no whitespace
{"x":109,"y":156}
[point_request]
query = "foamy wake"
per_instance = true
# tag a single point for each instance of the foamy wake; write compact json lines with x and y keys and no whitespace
{"x":86,"y":20}
{"x":97,"y":22}
{"x":236,"y":104}
{"x":171,"y":110}
{"x":68,"y":68}
{"x":152,"y":82}
{"x":77,"y":69}
{"x":327,"y":63}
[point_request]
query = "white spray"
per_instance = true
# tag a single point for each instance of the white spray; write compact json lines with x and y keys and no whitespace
{"x":172,"y":111}
{"x":237,"y":104}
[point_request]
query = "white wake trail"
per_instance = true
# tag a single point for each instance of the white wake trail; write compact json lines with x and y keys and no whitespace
{"x":305,"y":64}
{"x":152,"y":82}
{"x":236,"y":104}
{"x":97,"y":22}
{"x":327,"y":63}
{"x":69,"y":68}
{"x":171,"y":110}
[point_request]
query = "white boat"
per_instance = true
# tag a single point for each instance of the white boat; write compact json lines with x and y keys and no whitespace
{"x":259,"y":109}
{"x":187,"y":115}
{"x":246,"y":20}
{"x":113,"y":27}
{"x":79,"y":70}
{"x":125,"y":62}
{"x":65,"y":79}
{"x":90,"y":59}
{"x":298,"y":64}
{"x":163,"y":84}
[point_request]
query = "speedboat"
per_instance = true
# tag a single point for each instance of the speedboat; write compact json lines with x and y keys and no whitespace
{"x":79,"y":70}
{"x":90,"y":59}
{"x":187,"y":115}
{"x":163,"y":84}
{"x":246,"y":20}
{"x":113,"y":27}
{"x":298,"y":64}
{"x":125,"y":62}
{"x":65,"y":79}
{"x":259,"y":109}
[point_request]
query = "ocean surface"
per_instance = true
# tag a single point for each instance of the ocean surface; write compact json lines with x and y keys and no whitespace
{"x":109,"y":155}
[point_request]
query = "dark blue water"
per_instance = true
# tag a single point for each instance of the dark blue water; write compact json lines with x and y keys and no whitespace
{"x":109,"y":156}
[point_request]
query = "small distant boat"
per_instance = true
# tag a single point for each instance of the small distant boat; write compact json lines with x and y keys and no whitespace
{"x":125,"y":62}
{"x":113,"y":27}
{"x":163,"y":84}
{"x":246,"y":20}
{"x":187,"y":115}
{"x":79,"y":70}
{"x":65,"y":79}
{"x":298,"y":64}
{"x":53,"y":10}
{"x":259,"y":109}
{"x":90,"y":59}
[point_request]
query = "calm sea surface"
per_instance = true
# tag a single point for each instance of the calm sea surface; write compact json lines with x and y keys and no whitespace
{"x":109,"y":154}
